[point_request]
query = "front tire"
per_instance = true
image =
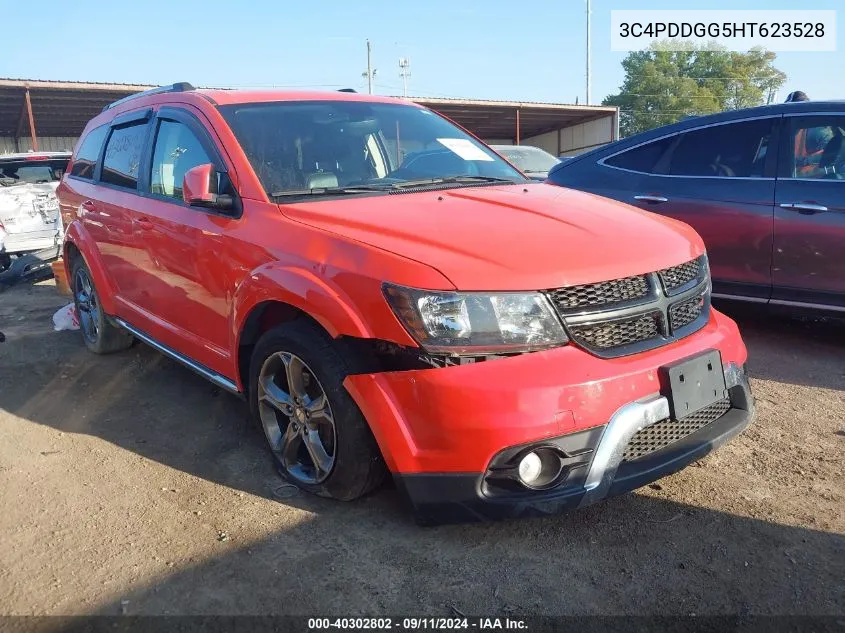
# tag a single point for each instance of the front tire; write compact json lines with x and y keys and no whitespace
{"x":99,"y":334}
{"x":318,"y":437}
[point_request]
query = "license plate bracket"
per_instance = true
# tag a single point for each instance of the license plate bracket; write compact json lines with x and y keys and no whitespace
{"x":693,"y":383}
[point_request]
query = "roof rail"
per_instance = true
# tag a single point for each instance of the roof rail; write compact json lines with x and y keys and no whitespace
{"x":348,"y":90}
{"x":182,"y":86}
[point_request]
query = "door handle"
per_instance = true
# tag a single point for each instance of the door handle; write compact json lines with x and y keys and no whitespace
{"x":145,"y":224}
{"x":651,"y":199}
{"x":88,"y":207}
{"x":804,"y":207}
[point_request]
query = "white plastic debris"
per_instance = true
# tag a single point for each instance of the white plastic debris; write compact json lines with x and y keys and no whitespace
{"x":66,"y":318}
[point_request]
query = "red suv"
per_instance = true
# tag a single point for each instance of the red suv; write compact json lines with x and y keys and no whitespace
{"x":388,"y":294}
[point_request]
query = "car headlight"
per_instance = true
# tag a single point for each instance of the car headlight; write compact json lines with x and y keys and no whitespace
{"x":476,"y":323}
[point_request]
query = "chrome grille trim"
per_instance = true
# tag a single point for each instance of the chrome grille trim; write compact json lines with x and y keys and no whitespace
{"x":676,"y":304}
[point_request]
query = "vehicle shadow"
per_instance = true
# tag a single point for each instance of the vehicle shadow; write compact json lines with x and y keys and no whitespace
{"x":798,"y":350}
{"x":633,"y":555}
{"x":137,"y":399}
{"x":369,"y":557}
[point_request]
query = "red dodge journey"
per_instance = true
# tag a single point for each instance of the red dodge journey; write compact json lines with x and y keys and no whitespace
{"x":391,"y":296}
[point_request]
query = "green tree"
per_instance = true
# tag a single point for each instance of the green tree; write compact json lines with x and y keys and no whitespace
{"x":663,"y":86}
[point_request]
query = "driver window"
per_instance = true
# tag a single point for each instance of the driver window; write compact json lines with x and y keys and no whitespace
{"x":176,"y":151}
{"x":818,"y":148}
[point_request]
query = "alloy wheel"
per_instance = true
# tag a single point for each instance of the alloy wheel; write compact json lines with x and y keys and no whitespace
{"x":87,"y":305}
{"x":297,"y":418}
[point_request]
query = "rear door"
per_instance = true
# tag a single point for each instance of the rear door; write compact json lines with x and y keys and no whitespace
{"x":107,"y":189}
{"x":720,"y":180}
{"x":809,"y":235}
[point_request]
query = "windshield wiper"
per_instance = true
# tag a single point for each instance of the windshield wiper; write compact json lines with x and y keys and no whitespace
{"x":328,"y":191}
{"x":450,"y":180}
{"x":407,"y":184}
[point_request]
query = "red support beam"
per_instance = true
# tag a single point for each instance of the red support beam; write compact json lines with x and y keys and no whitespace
{"x":31,"y":121}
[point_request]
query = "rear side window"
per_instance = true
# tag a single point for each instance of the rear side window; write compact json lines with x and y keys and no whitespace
{"x":122,"y":159}
{"x":733,"y":150}
{"x":642,"y":158}
{"x":89,"y":152}
{"x":31,"y":171}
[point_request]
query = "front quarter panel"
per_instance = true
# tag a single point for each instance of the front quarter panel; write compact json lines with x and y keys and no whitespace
{"x":335,"y":281}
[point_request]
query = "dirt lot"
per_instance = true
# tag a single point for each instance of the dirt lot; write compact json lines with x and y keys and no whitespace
{"x":129,"y":485}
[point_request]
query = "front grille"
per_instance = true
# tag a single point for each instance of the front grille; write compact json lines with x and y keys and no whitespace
{"x":634,"y":314}
{"x":604,"y":293}
{"x":662,"y":434}
{"x":677,"y":276}
{"x":685,"y":312}
{"x":611,"y":334}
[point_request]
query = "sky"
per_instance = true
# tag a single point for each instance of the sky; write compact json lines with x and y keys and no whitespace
{"x":532,"y":50}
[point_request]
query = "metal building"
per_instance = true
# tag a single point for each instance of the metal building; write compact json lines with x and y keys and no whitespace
{"x":50,"y":115}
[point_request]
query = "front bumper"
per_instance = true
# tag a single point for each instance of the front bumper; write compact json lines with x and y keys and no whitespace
{"x":440,"y":429}
{"x":455,"y":419}
{"x":459,"y":497}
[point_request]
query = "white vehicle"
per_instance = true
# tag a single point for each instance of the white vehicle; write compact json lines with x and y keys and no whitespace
{"x":531,"y":161}
{"x":29,"y":210}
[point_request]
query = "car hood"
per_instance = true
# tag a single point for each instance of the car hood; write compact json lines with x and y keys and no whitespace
{"x":514,"y":237}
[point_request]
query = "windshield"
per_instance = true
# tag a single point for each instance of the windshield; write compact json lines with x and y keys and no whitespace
{"x":531,"y":160}
{"x":31,"y":171}
{"x":297,"y":147}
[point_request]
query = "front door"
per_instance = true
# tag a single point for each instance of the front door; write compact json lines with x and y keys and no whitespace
{"x":809,"y":243}
{"x":180,"y":291}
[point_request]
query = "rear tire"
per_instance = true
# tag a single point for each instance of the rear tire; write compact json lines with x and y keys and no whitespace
{"x":316,"y":433}
{"x":99,"y":334}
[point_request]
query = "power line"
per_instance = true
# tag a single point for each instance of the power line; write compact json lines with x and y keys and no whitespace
{"x":657,"y":76}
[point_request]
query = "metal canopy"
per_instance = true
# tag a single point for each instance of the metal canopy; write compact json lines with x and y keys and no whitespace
{"x":514,"y":119}
{"x":58,"y":108}
{"x":62,"y":108}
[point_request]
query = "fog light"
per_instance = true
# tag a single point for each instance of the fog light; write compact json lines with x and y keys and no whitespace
{"x":530,"y":469}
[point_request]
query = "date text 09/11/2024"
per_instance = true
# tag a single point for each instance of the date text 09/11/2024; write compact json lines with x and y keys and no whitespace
{"x":414,"y":624}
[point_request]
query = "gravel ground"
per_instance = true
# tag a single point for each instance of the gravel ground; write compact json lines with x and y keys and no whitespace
{"x":129,"y":485}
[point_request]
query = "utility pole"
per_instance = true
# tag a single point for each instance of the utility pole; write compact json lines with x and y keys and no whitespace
{"x":404,"y":72}
{"x":588,"y":50}
{"x":371,"y":72}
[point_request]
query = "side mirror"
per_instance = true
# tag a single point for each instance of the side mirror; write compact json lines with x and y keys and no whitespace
{"x":199,"y":187}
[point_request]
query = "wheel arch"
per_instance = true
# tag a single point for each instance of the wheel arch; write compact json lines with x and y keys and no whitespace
{"x":275,"y":294}
{"x":79,"y":243}
{"x":263,"y":317}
